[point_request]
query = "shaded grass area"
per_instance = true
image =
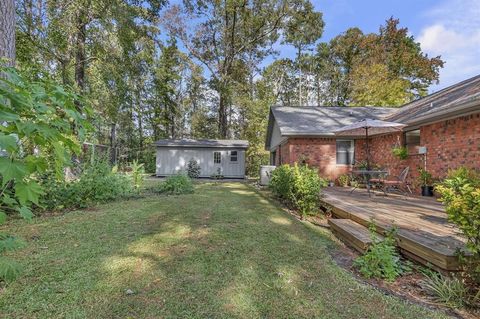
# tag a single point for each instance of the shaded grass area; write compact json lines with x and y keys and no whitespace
{"x":223,"y":252}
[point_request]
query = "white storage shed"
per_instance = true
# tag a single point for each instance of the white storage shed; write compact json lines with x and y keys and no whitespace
{"x":213,"y":156}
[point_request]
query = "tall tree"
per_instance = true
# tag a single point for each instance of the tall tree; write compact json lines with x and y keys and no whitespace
{"x":7,"y":31}
{"x":217,"y":33}
{"x":303,"y":29}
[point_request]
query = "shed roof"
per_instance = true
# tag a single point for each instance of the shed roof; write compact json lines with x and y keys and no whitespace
{"x":209,"y":143}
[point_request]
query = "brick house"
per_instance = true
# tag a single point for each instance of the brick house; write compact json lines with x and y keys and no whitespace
{"x":442,"y":131}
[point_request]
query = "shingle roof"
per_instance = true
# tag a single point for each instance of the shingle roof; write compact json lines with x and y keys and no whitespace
{"x":202,"y":143}
{"x":322,"y":120}
{"x":443,"y":102}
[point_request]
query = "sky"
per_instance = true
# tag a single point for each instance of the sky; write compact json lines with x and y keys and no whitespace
{"x":450,"y":28}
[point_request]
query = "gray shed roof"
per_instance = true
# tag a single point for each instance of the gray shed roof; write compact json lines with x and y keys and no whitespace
{"x":202,"y":143}
{"x":451,"y":101}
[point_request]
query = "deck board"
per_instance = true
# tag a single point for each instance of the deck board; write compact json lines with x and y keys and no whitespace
{"x":423,"y":228}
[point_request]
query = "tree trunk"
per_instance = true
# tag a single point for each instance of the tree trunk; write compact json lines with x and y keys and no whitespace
{"x":80,"y":55}
{"x":222,"y":115}
{"x":7,"y":31}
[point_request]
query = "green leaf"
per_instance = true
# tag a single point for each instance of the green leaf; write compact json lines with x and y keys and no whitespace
{"x":3,"y":217}
{"x":8,"y":142}
{"x":8,"y":200}
{"x":7,"y":116}
{"x":35,"y":163}
{"x":25,"y":212}
{"x":28,"y":192}
{"x":11,"y":170}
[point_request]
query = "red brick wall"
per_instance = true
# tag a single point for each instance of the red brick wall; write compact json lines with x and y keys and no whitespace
{"x":316,"y":152}
{"x":450,"y":144}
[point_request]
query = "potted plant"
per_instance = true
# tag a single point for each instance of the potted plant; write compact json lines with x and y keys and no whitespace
{"x":400,"y":152}
{"x":426,"y":182}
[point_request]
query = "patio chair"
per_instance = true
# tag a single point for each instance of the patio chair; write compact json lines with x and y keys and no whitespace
{"x":399,"y":183}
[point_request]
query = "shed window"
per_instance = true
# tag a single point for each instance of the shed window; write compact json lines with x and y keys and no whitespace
{"x":412,"y":138}
{"x":217,"y":157}
{"x":233,"y":156}
{"x":345,"y":152}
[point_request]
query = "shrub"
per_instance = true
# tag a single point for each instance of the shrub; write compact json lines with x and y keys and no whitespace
{"x":299,"y":186}
{"x":137,"y":174}
{"x":281,"y":181}
{"x":176,"y":185}
{"x":460,"y":192}
{"x":344,"y":180}
{"x":97,"y":183}
{"x":449,"y":291}
{"x":381,"y":259}
{"x":193,"y":169}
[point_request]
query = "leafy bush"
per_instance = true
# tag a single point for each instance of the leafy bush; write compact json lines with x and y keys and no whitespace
{"x":193,"y":169}
{"x":299,"y":186}
{"x":449,"y":291}
{"x":176,"y":185}
{"x":40,"y":116}
{"x":281,"y":181}
{"x":97,"y":183}
{"x":381,"y":259}
{"x":137,"y":173}
{"x":460,"y":192}
{"x":425,"y":177}
{"x":344,"y":180}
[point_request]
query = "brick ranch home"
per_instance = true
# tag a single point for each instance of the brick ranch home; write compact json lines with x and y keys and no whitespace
{"x":446,"y":123}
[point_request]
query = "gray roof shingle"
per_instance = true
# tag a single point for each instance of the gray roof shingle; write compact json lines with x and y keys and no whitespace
{"x":444,"y":101}
{"x":202,"y":143}
{"x":322,"y":120}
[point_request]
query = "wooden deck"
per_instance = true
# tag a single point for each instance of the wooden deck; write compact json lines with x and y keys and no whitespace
{"x":424,"y":234}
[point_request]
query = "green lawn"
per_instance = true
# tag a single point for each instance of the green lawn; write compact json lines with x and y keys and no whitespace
{"x":223,"y":252}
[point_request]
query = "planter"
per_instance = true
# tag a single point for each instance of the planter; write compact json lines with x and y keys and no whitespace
{"x":427,"y":191}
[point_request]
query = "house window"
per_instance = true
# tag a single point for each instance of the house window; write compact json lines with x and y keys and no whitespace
{"x":217,"y":157}
{"x":412,"y":138}
{"x":345,"y":152}
{"x":233,"y":156}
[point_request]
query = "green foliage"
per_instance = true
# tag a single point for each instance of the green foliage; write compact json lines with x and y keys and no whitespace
{"x":40,"y":127}
{"x":400,"y":152}
{"x":425,"y":177}
{"x":299,"y":186}
{"x":176,"y":185}
{"x":217,"y":175}
{"x":450,"y":291}
{"x":382,"y":259}
{"x":97,"y":183}
{"x":193,"y":169}
{"x":137,"y":174}
{"x":460,"y":193}
{"x":344,"y":180}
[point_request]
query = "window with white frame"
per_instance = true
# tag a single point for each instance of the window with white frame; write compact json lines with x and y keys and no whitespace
{"x":233,"y":156}
{"x":345,"y":152}
{"x":217,"y":157}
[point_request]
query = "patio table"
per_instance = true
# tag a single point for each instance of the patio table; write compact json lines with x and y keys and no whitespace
{"x":366,"y":176}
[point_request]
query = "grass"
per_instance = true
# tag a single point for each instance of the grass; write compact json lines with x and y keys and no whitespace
{"x":223,"y":252}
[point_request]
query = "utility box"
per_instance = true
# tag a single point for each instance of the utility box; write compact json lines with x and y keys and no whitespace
{"x":265,"y":171}
{"x":422,"y":150}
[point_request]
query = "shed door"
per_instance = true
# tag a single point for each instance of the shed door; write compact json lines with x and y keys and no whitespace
{"x":217,"y":163}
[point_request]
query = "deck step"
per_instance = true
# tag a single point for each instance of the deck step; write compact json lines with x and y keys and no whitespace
{"x":351,"y":233}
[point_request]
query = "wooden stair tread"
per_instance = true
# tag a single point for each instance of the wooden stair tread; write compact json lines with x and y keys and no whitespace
{"x":352,"y":233}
